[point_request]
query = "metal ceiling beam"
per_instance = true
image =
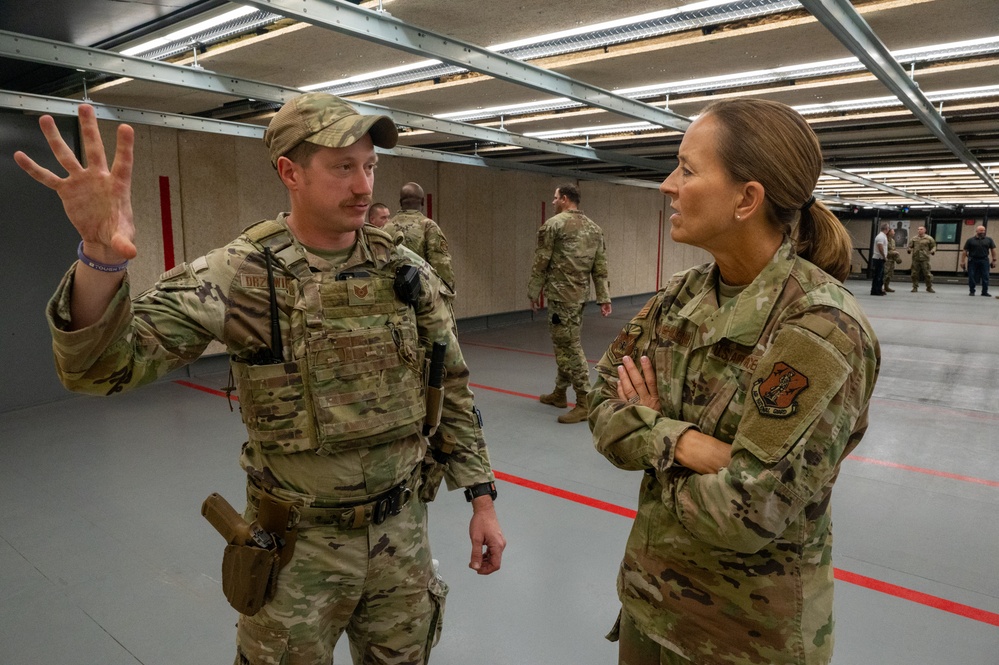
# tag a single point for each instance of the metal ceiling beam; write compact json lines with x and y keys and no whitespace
{"x":380,"y":28}
{"x":46,"y":51}
{"x":846,"y":24}
{"x":860,"y":180}
{"x":59,"y":106}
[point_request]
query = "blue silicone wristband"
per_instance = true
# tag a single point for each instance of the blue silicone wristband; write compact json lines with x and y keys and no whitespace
{"x":97,"y":265}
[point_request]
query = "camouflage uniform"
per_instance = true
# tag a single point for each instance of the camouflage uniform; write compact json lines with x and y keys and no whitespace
{"x":893,"y":258}
{"x":334,"y":425}
{"x":921,"y":247}
{"x":735,"y":567}
{"x":570,"y":252}
{"x":422,"y":235}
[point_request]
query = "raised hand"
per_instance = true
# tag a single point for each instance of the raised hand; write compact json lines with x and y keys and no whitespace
{"x":97,"y":200}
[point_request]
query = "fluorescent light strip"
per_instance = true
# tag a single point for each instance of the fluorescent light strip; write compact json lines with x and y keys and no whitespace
{"x":184,"y":33}
{"x":968,"y":48}
{"x":594,"y":131}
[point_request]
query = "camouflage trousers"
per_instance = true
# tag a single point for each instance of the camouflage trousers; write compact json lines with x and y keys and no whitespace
{"x":921,"y":271}
{"x":565,"y":322}
{"x":375,"y":582}
{"x":635,"y":648}
{"x":889,"y":272}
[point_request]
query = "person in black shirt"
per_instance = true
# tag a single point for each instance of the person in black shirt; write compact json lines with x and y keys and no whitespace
{"x":978,"y":250}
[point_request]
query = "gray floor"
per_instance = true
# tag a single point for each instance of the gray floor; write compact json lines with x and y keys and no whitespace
{"x":104,"y":558}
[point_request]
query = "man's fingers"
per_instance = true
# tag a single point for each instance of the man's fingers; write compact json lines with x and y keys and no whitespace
{"x":123,"y":155}
{"x":93,"y":146}
{"x":60,"y":150}
{"x":39,"y":173}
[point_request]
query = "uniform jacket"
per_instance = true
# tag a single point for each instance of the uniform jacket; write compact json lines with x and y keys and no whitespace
{"x":422,"y":235}
{"x":921,"y":247}
{"x":224,"y":296}
{"x":570,"y":251}
{"x":735,"y":567}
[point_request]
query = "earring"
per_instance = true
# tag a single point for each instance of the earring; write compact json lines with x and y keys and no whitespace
{"x":738,"y":217}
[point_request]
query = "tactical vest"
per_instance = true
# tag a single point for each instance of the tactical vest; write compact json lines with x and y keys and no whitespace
{"x":352,"y":372}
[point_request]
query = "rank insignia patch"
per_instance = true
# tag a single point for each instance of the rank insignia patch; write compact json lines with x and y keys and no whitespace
{"x":775,"y":395}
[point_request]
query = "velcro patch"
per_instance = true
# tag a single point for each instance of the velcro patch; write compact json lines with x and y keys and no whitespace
{"x":794,"y":384}
{"x":360,"y":292}
{"x":260,"y":281}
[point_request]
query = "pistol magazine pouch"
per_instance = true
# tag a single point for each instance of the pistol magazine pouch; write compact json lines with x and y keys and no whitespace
{"x":249,"y":575}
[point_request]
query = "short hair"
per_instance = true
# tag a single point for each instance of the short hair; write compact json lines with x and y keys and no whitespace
{"x":570,"y":192}
{"x":885,"y":226}
{"x":411,"y":196}
{"x":303,"y":153}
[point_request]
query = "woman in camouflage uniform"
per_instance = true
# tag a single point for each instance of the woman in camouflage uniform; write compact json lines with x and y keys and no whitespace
{"x":738,"y":390}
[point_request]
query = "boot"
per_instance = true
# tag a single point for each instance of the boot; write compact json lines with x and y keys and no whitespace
{"x":579,"y":412}
{"x":915,"y":288}
{"x":929,"y":289}
{"x":555,"y":398}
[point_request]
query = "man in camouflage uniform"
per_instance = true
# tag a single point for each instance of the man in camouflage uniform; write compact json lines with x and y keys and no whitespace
{"x":328,"y":360}
{"x":570,"y":253}
{"x":893,"y":258}
{"x":378,"y":215}
{"x":422,"y":234}
{"x":732,"y":564}
{"x":922,"y":247}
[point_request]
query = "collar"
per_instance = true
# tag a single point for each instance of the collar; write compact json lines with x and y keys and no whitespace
{"x":741,"y":319}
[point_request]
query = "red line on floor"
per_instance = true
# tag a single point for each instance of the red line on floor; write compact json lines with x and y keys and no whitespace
{"x":843,"y":575}
{"x":918,"y":597}
{"x":856,"y":458}
{"x":510,"y":392}
{"x":565,"y":494}
{"x":930,"y":472}
{"x":851,"y":578}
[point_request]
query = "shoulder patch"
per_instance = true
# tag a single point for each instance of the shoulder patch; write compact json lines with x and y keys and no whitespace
{"x":794,"y":383}
{"x":178,"y":278}
{"x":776,"y":394}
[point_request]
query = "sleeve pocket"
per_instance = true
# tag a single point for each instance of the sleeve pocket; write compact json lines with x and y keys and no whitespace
{"x":792,"y":387}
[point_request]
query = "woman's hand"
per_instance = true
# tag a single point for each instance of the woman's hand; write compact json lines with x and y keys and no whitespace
{"x":636,"y":386}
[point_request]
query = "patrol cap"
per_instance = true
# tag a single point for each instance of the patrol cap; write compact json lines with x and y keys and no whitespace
{"x":327,"y":120}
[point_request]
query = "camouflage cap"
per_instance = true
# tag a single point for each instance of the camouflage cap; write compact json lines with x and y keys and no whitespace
{"x":327,"y":120}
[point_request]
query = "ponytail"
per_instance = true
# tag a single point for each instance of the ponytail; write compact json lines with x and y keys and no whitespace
{"x":821,"y":238}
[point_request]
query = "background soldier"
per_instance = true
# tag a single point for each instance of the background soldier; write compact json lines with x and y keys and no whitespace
{"x":976,"y":256}
{"x":922,"y":247}
{"x":378,"y":215}
{"x":893,"y":258}
{"x":421,"y":234}
{"x":570,"y":252}
{"x":346,"y":458}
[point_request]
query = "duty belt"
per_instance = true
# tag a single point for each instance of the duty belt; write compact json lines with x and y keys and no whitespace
{"x":346,"y":515}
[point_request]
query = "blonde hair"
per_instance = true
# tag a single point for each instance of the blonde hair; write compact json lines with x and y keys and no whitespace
{"x":770,"y":143}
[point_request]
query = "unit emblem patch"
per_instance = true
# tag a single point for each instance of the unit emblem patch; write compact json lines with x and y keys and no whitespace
{"x":776,"y":395}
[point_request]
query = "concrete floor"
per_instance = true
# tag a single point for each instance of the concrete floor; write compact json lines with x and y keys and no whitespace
{"x":104,"y":558}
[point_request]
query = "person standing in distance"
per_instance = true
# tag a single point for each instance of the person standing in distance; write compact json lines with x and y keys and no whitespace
{"x":738,"y":391}
{"x":922,"y":247}
{"x":893,"y":258}
{"x":361,"y":563}
{"x":378,"y":215}
{"x":422,"y":234}
{"x":878,"y":258}
{"x":570,"y":252}
{"x":978,"y":250}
